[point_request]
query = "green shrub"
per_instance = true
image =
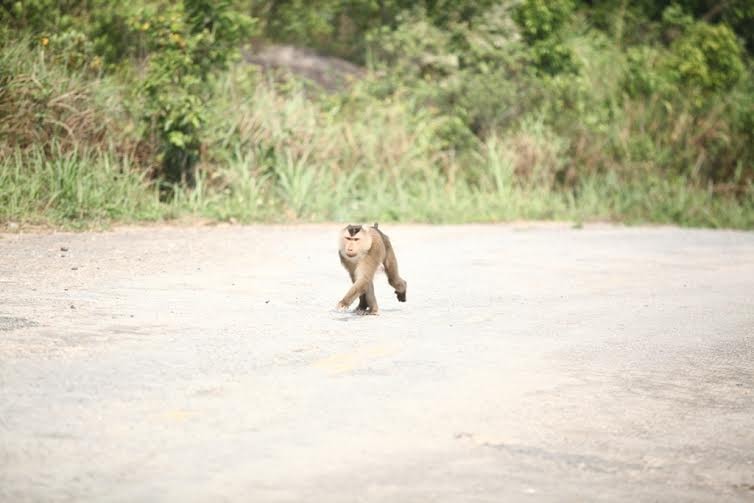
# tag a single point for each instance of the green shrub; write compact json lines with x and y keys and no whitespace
{"x":540,"y":19}
{"x":707,"y":57}
{"x":643,"y":75}
{"x":187,"y":41}
{"x":42,"y":17}
{"x":472,"y":75}
{"x":739,"y":15}
{"x":541,"y":25}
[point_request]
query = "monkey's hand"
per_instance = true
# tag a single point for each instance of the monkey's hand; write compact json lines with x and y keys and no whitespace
{"x":342,"y":306}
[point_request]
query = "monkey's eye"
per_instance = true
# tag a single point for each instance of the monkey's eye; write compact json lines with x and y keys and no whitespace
{"x":355,"y":239}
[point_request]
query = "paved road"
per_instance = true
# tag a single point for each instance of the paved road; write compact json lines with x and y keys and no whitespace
{"x":531,"y":363}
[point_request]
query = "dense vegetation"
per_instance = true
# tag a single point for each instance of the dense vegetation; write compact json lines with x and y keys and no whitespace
{"x":469,"y":111}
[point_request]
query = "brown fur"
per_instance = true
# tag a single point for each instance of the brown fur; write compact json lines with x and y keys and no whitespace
{"x":362,"y":250}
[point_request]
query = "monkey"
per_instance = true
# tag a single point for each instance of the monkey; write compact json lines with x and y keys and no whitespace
{"x":362,"y":250}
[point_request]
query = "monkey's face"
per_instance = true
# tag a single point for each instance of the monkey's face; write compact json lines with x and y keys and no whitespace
{"x":355,"y":241}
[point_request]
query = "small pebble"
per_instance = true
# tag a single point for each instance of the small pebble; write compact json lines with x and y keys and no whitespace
{"x":63,"y":248}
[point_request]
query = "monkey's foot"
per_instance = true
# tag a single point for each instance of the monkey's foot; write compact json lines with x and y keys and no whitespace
{"x":401,"y":295}
{"x":365,"y":312}
{"x":341,"y":307}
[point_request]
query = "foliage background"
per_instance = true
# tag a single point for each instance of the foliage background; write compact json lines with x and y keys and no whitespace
{"x":466,"y":111}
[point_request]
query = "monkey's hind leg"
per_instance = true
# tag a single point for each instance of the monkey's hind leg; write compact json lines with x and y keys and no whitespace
{"x":391,"y":270}
{"x":362,"y":303}
{"x":368,"y":301}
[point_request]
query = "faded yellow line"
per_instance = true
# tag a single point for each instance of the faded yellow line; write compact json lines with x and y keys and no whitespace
{"x":359,"y":358}
{"x":176,"y":415}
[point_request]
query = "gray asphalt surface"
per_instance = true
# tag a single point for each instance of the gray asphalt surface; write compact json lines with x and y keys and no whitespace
{"x":531,"y":363}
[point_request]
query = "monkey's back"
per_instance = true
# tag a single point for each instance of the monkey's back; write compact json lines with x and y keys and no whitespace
{"x":380,"y":243}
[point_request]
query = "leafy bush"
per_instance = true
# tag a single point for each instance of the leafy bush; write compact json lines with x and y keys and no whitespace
{"x":187,"y":41}
{"x":643,"y":75}
{"x":540,"y":20}
{"x":541,"y":25}
{"x":707,"y":57}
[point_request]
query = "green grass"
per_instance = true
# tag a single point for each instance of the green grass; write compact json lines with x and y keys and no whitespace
{"x":74,"y":189}
{"x":83,"y":190}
